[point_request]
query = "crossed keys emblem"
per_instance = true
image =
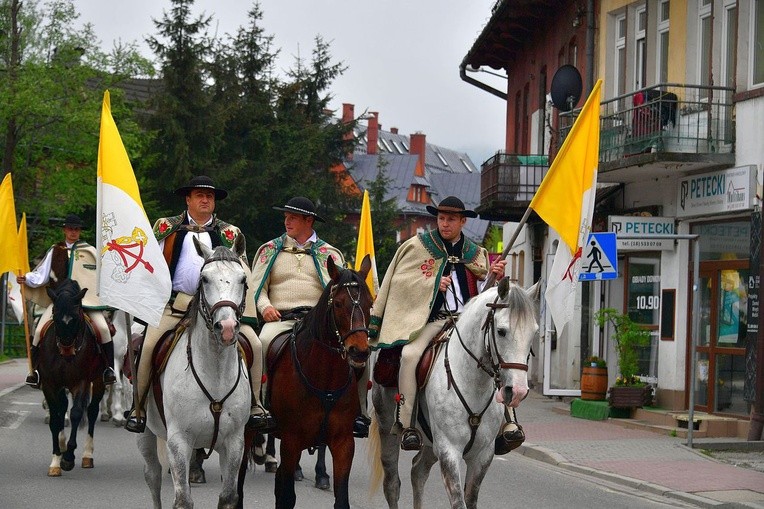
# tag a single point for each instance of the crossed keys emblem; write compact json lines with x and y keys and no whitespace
{"x":127,"y":251}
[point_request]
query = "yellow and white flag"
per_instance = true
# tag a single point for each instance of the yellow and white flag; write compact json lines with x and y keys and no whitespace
{"x":565,"y":201}
{"x":365,"y":246}
{"x":9,"y":235}
{"x":132,"y":272}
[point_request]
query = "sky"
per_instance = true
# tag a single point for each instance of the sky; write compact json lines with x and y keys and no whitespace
{"x":402,"y":56}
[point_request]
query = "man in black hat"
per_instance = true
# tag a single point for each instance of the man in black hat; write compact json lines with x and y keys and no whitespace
{"x":289,"y":273}
{"x":175,"y":235}
{"x":443,"y":263}
{"x":75,"y":259}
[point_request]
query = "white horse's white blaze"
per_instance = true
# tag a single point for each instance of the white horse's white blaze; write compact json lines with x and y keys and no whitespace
{"x":215,"y":358}
{"x":514,"y":327}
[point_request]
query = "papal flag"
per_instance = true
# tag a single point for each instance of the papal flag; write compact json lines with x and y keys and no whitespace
{"x":132,"y":272}
{"x":9,"y":235}
{"x":365,"y":246}
{"x":565,"y":201}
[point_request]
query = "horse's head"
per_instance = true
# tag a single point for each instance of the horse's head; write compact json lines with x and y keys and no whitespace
{"x":67,"y":310}
{"x":222,"y":289}
{"x":348,"y":305}
{"x":508,"y":332}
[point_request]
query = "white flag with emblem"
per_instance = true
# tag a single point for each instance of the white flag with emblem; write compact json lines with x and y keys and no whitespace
{"x":132,"y":272}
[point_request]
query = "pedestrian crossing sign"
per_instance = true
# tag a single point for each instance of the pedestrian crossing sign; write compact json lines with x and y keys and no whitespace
{"x":599,"y":257}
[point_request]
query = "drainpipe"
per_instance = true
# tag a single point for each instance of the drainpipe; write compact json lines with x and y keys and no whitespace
{"x":590,"y":45}
{"x":479,"y":84}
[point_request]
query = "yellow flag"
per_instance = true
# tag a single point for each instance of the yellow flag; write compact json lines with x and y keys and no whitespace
{"x":9,"y":236}
{"x":565,"y":201}
{"x":132,"y":272}
{"x":23,"y":260}
{"x":365,"y":246}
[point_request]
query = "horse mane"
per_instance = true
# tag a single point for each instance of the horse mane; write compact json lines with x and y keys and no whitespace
{"x":521,"y":306}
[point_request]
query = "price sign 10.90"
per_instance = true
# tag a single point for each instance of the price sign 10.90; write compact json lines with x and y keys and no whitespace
{"x":648,"y":302}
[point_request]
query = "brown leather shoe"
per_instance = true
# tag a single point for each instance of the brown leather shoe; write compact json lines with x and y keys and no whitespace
{"x":509,"y":440}
{"x":411,"y":440}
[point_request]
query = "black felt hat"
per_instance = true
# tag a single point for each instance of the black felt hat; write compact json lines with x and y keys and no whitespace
{"x":201,"y":182}
{"x":72,"y":221}
{"x":301,"y":205}
{"x":453,"y":205}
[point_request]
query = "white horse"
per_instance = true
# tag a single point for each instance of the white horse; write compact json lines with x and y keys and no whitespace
{"x":487,"y":355}
{"x":206,"y":392}
{"x":119,"y":395}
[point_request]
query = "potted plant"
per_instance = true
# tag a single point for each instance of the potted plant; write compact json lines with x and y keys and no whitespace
{"x":594,"y":379}
{"x":629,"y":391}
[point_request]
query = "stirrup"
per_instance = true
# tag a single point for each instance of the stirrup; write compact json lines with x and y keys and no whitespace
{"x":264,"y":423}
{"x":411,"y":440}
{"x":361,"y":426}
{"x":109,"y":377}
{"x":33,"y":379}
{"x":135,"y":424}
{"x":508,"y":441}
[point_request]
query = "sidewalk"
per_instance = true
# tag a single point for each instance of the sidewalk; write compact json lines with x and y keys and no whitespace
{"x":640,"y":459}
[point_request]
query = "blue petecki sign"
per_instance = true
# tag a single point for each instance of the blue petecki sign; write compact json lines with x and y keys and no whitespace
{"x":600,"y":257}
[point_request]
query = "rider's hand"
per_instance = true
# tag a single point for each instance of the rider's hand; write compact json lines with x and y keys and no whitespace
{"x":497,"y":267}
{"x":445,"y":283}
{"x":21,"y":279}
{"x":271,"y":314}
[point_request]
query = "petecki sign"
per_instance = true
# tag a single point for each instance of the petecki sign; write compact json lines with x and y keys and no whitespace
{"x":719,"y":191}
{"x":638,"y":225}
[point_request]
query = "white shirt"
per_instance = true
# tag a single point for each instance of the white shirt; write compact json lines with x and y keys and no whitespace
{"x":40,"y":276}
{"x":307,"y":243}
{"x":452,"y":303}
{"x":189,"y":267}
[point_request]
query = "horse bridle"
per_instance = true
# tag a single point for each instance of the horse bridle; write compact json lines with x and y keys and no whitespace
{"x":207,"y":311}
{"x":356,"y":304}
{"x":79,"y":339}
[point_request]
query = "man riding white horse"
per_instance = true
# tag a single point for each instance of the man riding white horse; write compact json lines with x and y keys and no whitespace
{"x":75,"y":259}
{"x":429,"y":280}
{"x":175,"y":235}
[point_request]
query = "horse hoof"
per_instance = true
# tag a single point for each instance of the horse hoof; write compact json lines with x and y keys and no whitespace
{"x":322,"y":482}
{"x":105,"y":417}
{"x":197,"y":477}
{"x":87,"y":462}
{"x":298,"y":474}
{"x":66,"y":465}
{"x":271,"y":467}
{"x":54,"y":471}
{"x":47,"y":419}
{"x":259,"y":455}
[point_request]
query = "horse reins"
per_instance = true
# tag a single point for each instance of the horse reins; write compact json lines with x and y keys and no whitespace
{"x":356,"y":304}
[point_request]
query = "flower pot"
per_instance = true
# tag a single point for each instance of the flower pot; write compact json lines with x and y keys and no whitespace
{"x":630,"y":397}
{"x":593,"y":383}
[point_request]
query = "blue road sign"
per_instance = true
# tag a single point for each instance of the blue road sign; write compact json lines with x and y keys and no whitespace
{"x":600,"y":257}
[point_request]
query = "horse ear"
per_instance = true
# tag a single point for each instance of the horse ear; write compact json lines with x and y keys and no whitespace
{"x":503,"y":288}
{"x":50,"y":293}
{"x":202,"y":249}
{"x":365,"y":267}
{"x":82,"y":294}
{"x":331,"y":267}
{"x":534,"y":292}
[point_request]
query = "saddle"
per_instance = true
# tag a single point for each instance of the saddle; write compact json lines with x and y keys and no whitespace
{"x":275,"y":350}
{"x":389,"y":360}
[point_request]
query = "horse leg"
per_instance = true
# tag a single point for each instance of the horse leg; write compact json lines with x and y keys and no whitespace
{"x":95,"y":403}
{"x":270,"y":454}
{"x":390,"y":452}
{"x":152,"y":469}
{"x":449,"y":470}
{"x":195,"y":470}
{"x":250,"y":439}
{"x":57,"y":403}
{"x":284,"y":484}
{"x":80,"y":401}
{"x":179,"y":454}
{"x":476,"y":470}
{"x":420,"y":471}
{"x":342,"y":449}
{"x":231,"y":452}
{"x":322,"y":479}
{"x":106,"y":413}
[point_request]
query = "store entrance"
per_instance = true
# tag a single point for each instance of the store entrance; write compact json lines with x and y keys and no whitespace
{"x":720,"y":346}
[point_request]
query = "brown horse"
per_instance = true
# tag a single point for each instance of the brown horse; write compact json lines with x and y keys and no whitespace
{"x":70,"y":359}
{"x":314,"y":398}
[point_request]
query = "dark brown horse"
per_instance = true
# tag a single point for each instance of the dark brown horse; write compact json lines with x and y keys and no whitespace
{"x":314,"y":398}
{"x":70,"y":359}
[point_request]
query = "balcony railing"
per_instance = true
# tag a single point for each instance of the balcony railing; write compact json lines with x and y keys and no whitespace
{"x":508,"y":183}
{"x":664,"y":119}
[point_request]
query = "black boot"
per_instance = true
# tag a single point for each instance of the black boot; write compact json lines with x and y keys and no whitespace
{"x":411,"y":440}
{"x":108,"y":374}
{"x":33,"y":378}
{"x":510,"y":438}
{"x":261,"y":420}
{"x":361,"y":426}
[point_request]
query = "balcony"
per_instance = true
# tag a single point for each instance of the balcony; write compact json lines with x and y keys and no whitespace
{"x":508,"y":183}
{"x":662,"y":130}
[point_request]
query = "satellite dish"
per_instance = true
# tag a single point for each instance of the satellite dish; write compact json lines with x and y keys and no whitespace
{"x":566,"y":87}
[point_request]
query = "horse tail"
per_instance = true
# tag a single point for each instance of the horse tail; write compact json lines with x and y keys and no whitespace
{"x":374,"y":455}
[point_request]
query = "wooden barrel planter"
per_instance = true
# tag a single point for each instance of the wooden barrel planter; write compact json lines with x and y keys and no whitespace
{"x":593,"y":383}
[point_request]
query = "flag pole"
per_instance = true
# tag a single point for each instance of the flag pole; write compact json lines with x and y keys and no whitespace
{"x":491,"y":279}
{"x":26,"y":326}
